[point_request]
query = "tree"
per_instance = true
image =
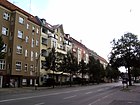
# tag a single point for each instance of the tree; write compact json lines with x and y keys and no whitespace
{"x":90,"y":67}
{"x":82,"y":69}
{"x":69,"y":65}
{"x":95,"y":69}
{"x":112,"y":73}
{"x":125,"y":52}
{"x":135,"y":72}
{"x":1,"y":48}
{"x":51,"y":62}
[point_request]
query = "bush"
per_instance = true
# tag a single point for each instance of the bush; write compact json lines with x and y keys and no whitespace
{"x":49,"y":82}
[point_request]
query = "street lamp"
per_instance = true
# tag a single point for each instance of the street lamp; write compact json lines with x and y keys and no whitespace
{"x":37,"y":70}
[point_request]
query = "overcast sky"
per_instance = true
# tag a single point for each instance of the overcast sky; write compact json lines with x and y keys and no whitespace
{"x":95,"y":22}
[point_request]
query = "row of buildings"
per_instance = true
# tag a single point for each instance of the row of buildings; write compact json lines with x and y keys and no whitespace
{"x":27,"y":41}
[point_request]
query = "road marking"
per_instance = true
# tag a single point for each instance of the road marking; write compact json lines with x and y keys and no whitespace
{"x":101,"y":99}
{"x":40,"y":103}
{"x":88,"y":92}
{"x":100,"y":90}
{"x":23,"y":98}
{"x":69,"y":97}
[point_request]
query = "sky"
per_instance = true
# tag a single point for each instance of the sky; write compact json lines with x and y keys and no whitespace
{"x":95,"y":22}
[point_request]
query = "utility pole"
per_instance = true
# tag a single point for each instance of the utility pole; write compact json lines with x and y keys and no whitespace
{"x":30,"y":7}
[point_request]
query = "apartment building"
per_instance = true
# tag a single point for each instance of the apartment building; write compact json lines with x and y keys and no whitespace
{"x":21,"y":34}
{"x":52,"y":36}
{"x":97,"y":57}
{"x":80,"y":50}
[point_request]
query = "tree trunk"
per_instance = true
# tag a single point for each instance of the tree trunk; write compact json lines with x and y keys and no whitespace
{"x":129,"y":76}
{"x":70,"y":79}
{"x":53,"y":79}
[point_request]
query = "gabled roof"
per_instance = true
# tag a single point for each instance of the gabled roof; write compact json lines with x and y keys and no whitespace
{"x":13,"y":7}
{"x":67,"y":37}
{"x":58,"y":26}
{"x":46,"y":24}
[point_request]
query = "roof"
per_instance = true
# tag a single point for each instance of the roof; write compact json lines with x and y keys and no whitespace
{"x":67,"y":37}
{"x":78,"y":43}
{"x":45,"y":24}
{"x":13,"y":7}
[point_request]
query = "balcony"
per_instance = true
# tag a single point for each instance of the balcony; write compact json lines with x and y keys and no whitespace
{"x":44,"y":41}
{"x":44,"y":53}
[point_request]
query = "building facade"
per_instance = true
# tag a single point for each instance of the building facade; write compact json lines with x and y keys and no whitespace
{"x":52,"y":36}
{"x":97,"y":57}
{"x":21,"y":35}
{"x":80,"y":50}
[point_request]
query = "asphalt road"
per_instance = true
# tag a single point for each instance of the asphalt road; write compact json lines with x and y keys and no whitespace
{"x":86,"y":95}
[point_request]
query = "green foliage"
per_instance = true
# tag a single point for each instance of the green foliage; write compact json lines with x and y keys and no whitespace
{"x":125,"y":52}
{"x":96,"y":70}
{"x":82,"y":69}
{"x":69,"y":64}
{"x":135,"y":72}
{"x":51,"y":60}
{"x":112,"y":73}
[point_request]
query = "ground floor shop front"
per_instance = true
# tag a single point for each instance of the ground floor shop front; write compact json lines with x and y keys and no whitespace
{"x":17,"y":81}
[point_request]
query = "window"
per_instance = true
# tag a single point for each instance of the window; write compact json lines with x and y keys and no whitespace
{"x":19,"y":49}
{"x":6,"y":16}
{"x":32,"y":44}
{"x":18,"y":66}
{"x":54,"y":44}
{"x":32,"y":55}
{"x":32,"y":68}
{"x":20,"y":34}
{"x":33,"y":30}
{"x":37,"y":30}
{"x":26,"y":53}
{"x":37,"y":42}
{"x":21,"y":20}
{"x":26,"y":39}
{"x":36,"y":55}
{"x":5,"y":48}
{"x":27,"y":26}
{"x":26,"y":67}
{"x":2,"y":64}
{"x":44,"y":41}
{"x":4,"y":31}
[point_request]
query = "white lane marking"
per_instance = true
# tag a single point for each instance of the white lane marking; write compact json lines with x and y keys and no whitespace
{"x":40,"y":103}
{"x":23,"y":98}
{"x":88,"y":92}
{"x":100,"y":90}
{"x":101,"y":99}
{"x":69,"y":97}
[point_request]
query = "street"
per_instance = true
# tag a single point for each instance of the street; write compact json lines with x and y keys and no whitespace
{"x":103,"y":94}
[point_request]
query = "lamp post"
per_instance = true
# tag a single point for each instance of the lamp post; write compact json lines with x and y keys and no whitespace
{"x":36,"y":72}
